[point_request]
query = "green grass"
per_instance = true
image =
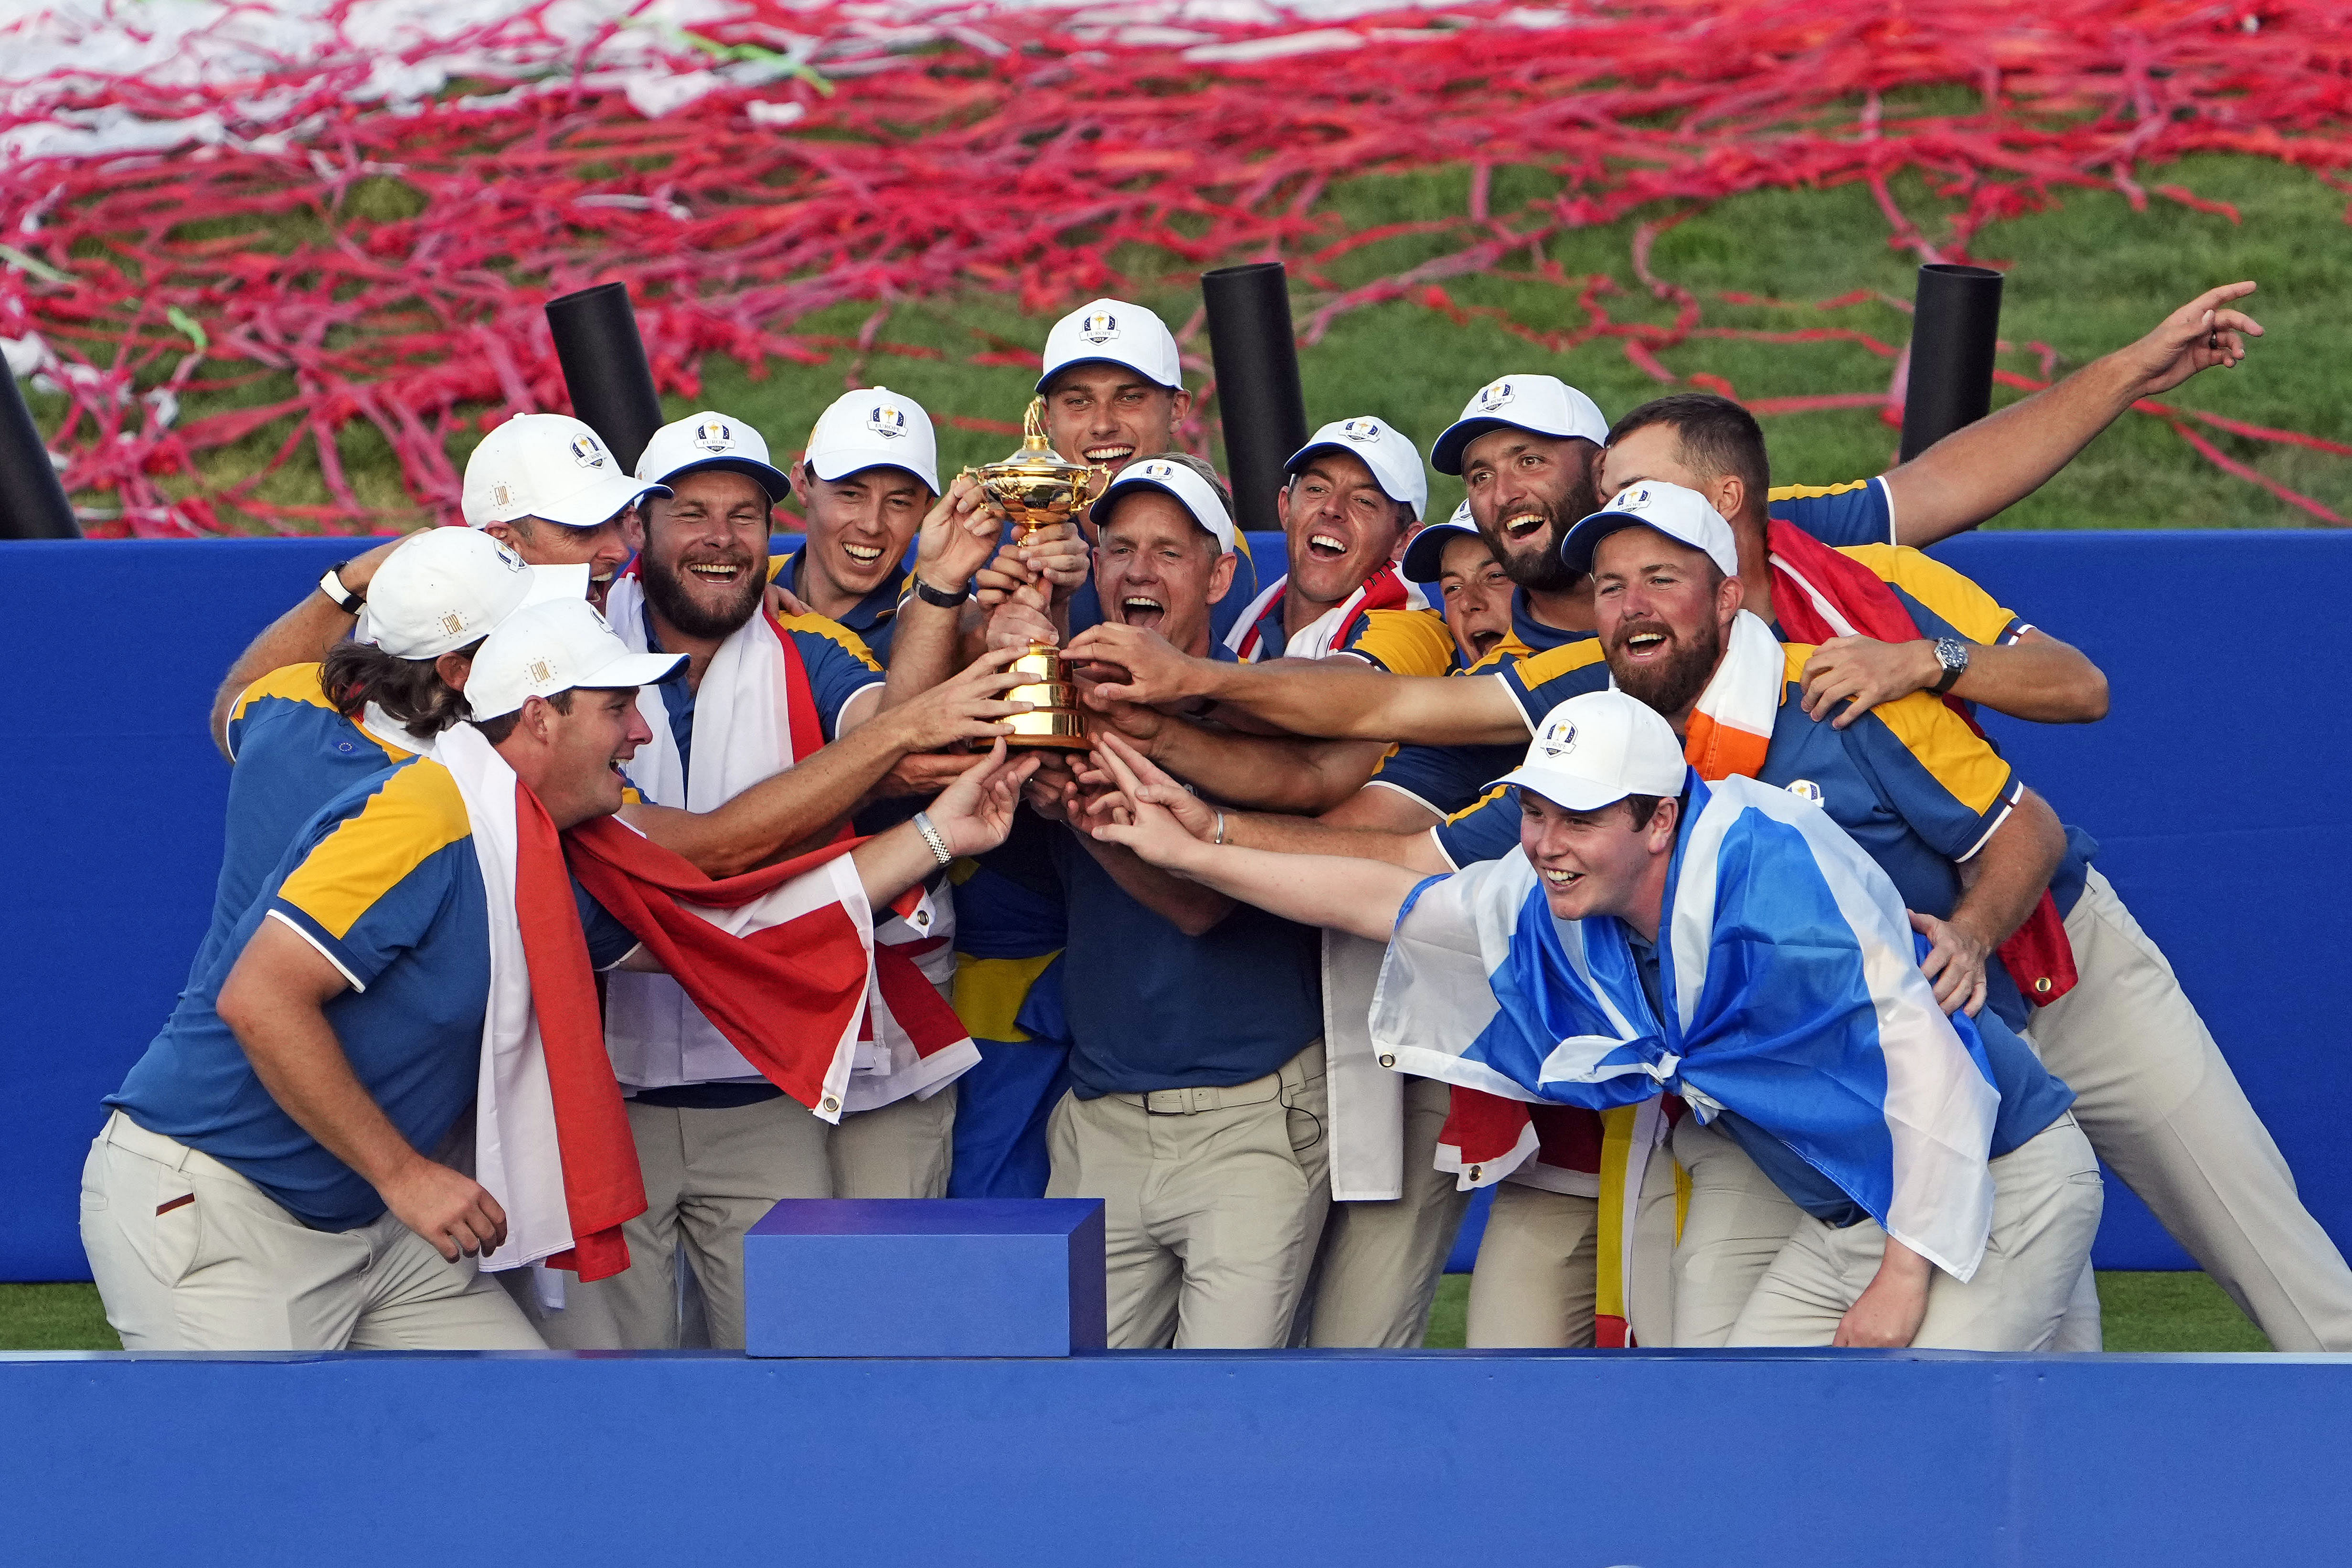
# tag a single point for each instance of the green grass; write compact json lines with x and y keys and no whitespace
{"x":2085,"y":274}
{"x":2143,"y":1311}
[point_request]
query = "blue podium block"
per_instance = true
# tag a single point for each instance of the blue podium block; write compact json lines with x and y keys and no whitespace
{"x":924,"y":1276}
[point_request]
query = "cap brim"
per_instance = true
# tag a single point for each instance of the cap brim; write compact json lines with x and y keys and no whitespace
{"x":771,"y":479}
{"x":631,"y":671}
{"x":857,"y":459}
{"x":600,"y":502}
{"x":1576,"y":547}
{"x":1425,"y":559}
{"x":1568,"y":792}
{"x":1361,"y":455}
{"x":1104,"y":507}
{"x":1047,"y":379}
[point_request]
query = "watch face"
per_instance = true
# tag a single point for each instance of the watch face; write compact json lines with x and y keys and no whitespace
{"x":1952,"y":656}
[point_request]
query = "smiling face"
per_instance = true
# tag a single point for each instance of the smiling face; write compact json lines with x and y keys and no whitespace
{"x":1096,"y":412}
{"x":1340,"y":524}
{"x":572,"y":759}
{"x":859,"y":527}
{"x":1158,"y":568}
{"x":602,"y":549}
{"x":1663,"y":610}
{"x":1477,"y":597}
{"x":1598,"y":862}
{"x":706,"y":557}
{"x":1526,"y":492}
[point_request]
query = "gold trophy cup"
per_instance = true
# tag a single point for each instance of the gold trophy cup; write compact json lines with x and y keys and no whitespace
{"x":1036,"y":487}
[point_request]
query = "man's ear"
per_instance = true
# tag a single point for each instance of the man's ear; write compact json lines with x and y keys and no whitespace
{"x":1180,"y":403}
{"x":1729,"y":597}
{"x":1662,"y":824}
{"x":1221,"y":576}
{"x":453,"y":669}
{"x":1730,"y":496}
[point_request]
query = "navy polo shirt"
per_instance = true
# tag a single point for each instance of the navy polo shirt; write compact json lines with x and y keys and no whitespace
{"x":873,"y":618}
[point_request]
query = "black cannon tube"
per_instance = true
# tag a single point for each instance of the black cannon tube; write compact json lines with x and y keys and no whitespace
{"x":1955,"y":327}
{"x":33,"y":504}
{"x":1252,"y":345}
{"x":604,"y":360}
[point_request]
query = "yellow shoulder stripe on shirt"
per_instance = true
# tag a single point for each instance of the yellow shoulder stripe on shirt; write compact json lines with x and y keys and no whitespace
{"x":1812,"y":492}
{"x":292,"y":682}
{"x":413,"y":815}
{"x":832,"y":631}
{"x":1407,"y":642}
{"x":1972,"y":612}
{"x":1481,"y":803}
{"x":1536,"y":669}
{"x":1961,"y":761}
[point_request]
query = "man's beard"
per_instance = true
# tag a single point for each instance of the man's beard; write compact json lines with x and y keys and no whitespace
{"x":672,"y":601}
{"x":1542,"y":571}
{"x":1672,"y":684}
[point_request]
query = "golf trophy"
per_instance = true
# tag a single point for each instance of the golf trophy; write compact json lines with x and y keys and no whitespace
{"x":1035,"y":488}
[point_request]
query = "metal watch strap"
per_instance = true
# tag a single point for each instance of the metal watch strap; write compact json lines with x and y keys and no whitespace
{"x":941,"y":597}
{"x":931,"y":836}
{"x":1945,"y":648}
{"x":331,"y":584}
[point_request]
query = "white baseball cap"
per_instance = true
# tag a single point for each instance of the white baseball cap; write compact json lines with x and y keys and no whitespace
{"x":560,"y":646}
{"x":1388,"y":452}
{"x":1594,"y":750}
{"x":1122,"y":333}
{"x":1545,"y":406}
{"x":445,"y":587}
{"x":1425,"y":559}
{"x":874,"y":428}
{"x":1681,"y":515}
{"x":547,"y":465}
{"x":1179,"y":480}
{"x":710,"y":440}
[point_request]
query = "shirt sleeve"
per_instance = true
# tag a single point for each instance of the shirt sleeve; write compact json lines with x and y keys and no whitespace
{"x":1859,"y":513}
{"x":1945,"y":780}
{"x":1444,"y":778}
{"x":609,"y":941}
{"x":1541,"y":682}
{"x":1487,"y":831}
{"x":838,"y":665}
{"x":1401,"y":642}
{"x":1942,"y":601}
{"x":373,"y":884}
{"x":290,"y":695}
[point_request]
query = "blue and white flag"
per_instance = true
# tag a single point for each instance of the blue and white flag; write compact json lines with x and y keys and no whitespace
{"x":1791,"y":980}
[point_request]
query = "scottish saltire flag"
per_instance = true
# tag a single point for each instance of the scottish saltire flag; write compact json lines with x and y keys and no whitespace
{"x":1793,"y":993}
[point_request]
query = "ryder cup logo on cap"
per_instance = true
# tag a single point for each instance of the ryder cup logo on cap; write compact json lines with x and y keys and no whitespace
{"x":1177,"y":479}
{"x":1541,"y":405}
{"x":1683,"y":516}
{"x":708,"y":441}
{"x":547,"y":465}
{"x":1594,"y":750}
{"x":875,"y":427}
{"x":1113,"y":331}
{"x":560,"y":646}
{"x":1394,"y":460}
{"x":448,"y":586}
{"x":1805,"y":789}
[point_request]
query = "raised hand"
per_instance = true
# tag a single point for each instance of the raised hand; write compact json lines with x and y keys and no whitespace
{"x":958,"y":536}
{"x":2201,"y":334}
{"x":1156,"y":673}
{"x":1139,"y":816}
{"x":974,"y":813}
{"x":969,"y":705}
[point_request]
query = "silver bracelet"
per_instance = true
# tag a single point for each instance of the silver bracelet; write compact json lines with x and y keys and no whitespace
{"x":939,"y":850}
{"x":1221,"y":829}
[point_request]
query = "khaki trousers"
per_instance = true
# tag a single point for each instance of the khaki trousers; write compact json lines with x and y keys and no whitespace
{"x":2159,"y":1102}
{"x":904,"y":1149}
{"x":189,"y":1255}
{"x":2045,"y":1210}
{"x":1533,"y":1287}
{"x":1737,"y":1224}
{"x":1214,"y":1201}
{"x":1377,"y":1271}
{"x":710,"y":1175}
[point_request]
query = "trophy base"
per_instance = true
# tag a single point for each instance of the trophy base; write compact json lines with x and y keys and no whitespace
{"x":1057,"y":729}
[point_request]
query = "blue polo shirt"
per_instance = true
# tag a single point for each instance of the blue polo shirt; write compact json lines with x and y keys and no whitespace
{"x":292,"y":754}
{"x":838,"y":667}
{"x":874,"y":618}
{"x":1914,"y":786}
{"x":1860,"y":512}
{"x":1149,"y":1008}
{"x":1451,"y":779}
{"x":383,"y":881}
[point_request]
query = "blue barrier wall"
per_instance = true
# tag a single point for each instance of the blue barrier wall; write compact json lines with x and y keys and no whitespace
{"x":2215,"y":787}
{"x":1674,"y":1459}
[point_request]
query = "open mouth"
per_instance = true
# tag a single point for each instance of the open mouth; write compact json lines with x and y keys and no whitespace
{"x":1141,"y":609}
{"x":1562,"y":879}
{"x":1107,"y":456}
{"x":863,"y":555}
{"x":1644,"y":645}
{"x":1523,"y":526}
{"x":721,"y":572}
{"x":1323,"y":547}
{"x":1484,"y":641}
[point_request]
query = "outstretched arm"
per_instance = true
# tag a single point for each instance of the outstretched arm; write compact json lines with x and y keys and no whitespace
{"x":2004,"y":457}
{"x":2037,"y":678}
{"x":1358,"y":896}
{"x":1272,"y":773}
{"x":1336,"y":698}
{"x":970,"y":817}
{"x":301,"y":636}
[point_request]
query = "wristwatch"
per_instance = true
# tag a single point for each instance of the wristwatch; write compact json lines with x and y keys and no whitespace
{"x":1953,"y":654}
{"x":941,"y":597}
{"x":332,"y":585}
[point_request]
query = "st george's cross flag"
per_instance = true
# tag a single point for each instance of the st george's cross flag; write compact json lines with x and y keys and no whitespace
{"x":1794,"y":996}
